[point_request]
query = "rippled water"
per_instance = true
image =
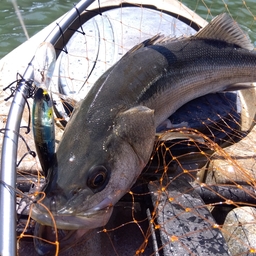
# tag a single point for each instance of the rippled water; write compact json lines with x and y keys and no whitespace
{"x":241,"y":10}
{"x":37,"y":15}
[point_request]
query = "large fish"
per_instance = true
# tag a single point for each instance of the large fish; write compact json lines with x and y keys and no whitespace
{"x":110,"y":136}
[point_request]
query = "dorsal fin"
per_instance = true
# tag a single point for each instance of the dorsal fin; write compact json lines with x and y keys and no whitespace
{"x":157,"y":39}
{"x":224,"y":28}
{"x":151,"y":41}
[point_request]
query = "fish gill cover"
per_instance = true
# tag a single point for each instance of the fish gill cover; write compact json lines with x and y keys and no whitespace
{"x":196,"y":195}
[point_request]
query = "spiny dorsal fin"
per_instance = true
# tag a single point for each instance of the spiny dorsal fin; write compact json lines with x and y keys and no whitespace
{"x":151,"y":41}
{"x":224,"y":28}
{"x":157,"y":39}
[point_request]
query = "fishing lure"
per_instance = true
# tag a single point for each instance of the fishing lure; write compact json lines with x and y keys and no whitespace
{"x":42,"y":113}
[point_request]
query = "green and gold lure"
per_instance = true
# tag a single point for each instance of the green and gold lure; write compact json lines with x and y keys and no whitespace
{"x":42,"y":113}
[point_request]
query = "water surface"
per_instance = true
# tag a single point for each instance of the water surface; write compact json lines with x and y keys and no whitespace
{"x":38,"y":14}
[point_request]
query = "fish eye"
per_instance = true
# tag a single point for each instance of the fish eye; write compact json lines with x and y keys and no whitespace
{"x":46,"y":97}
{"x":98,"y":178}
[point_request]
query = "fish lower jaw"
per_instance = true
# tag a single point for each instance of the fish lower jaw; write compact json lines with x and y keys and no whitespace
{"x":73,"y":222}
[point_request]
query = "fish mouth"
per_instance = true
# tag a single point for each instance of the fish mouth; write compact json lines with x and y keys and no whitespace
{"x":45,"y":238}
{"x":71,"y":226}
{"x":92,"y":219}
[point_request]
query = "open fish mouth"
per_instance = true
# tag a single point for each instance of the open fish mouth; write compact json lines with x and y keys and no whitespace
{"x":71,"y":225}
{"x":89,"y":220}
{"x":45,"y":237}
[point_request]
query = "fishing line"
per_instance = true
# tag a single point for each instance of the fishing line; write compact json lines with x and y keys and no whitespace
{"x":12,"y":189}
{"x":27,"y":199}
{"x":23,"y":197}
{"x":20,"y":18}
{"x":30,"y":152}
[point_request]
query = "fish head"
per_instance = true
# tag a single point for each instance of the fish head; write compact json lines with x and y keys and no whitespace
{"x":95,"y":167}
